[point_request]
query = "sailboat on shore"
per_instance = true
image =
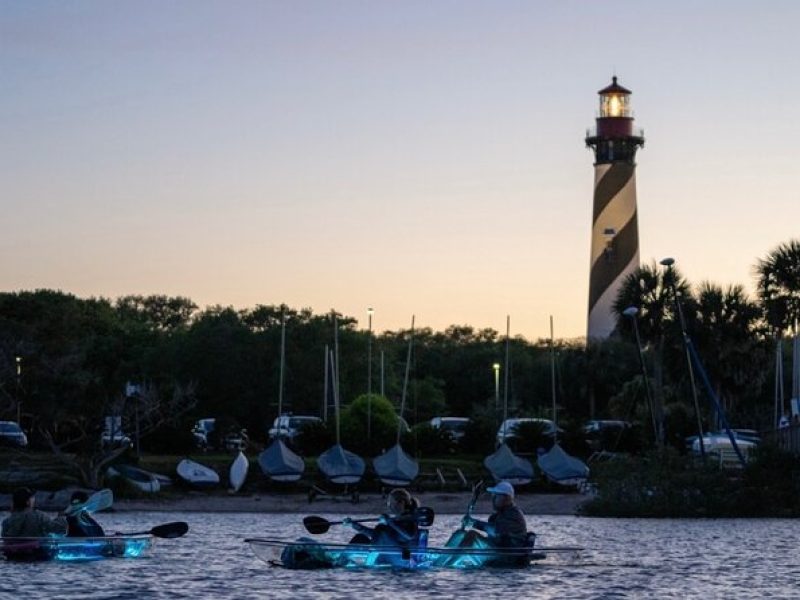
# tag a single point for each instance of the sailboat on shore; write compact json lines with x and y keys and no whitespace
{"x":503,"y":464}
{"x":558,"y":466}
{"x":277,"y":461}
{"x":394,"y":467}
{"x":339,"y":466}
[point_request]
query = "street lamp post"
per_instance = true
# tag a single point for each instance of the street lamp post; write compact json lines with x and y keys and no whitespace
{"x":668,"y":264}
{"x":369,"y":373}
{"x":631,"y":312}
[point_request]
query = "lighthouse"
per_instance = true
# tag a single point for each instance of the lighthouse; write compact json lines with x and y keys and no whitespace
{"x":615,"y":233}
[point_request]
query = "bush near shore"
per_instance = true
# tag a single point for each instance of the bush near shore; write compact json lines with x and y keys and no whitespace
{"x":670,"y":485}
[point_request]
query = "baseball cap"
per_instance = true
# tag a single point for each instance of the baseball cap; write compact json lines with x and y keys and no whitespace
{"x":503,"y":487}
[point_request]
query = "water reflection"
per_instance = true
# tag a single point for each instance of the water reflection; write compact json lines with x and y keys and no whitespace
{"x":623,"y":559}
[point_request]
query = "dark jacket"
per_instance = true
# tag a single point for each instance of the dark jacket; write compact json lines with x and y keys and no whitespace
{"x":507,"y":527}
{"x":32,"y":524}
{"x":83,"y":525}
{"x":402,"y":530}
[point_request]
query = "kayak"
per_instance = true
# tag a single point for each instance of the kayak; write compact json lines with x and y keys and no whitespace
{"x":306,"y":553}
{"x":75,"y":548}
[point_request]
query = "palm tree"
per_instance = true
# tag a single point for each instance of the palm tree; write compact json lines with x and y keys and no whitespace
{"x":779,"y":293}
{"x":726,"y":323}
{"x":650,"y":289}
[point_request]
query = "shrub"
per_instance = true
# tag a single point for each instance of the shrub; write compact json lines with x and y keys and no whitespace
{"x":383,"y":429}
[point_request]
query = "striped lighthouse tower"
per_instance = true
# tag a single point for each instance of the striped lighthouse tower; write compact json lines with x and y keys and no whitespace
{"x":615,"y":233}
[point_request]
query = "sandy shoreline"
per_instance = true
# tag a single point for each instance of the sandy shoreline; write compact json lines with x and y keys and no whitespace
{"x":441,"y":503}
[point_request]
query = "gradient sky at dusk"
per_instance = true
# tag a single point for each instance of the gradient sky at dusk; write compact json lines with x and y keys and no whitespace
{"x":415,"y":156}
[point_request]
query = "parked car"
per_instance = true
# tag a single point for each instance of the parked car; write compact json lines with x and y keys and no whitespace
{"x":607,"y":434}
{"x":716,"y":438}
{"x":507,"y":427}
{"x":204,"y":429}
{"x":287,"y":427}
{"x":605,"y":425}
{"x":11,"y":434}
{"x":455,"y":426}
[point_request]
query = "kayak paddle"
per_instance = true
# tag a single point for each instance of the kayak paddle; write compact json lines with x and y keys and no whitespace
{"x":477,"y":490}
{"x":98,"y":501}
{"x":168,"y":530}
{"x":317,"y":525}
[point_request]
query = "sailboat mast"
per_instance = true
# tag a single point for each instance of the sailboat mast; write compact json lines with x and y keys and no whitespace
{"x":336,"y":356}
{"x":405,"y":380}
{"x":335,"y":396}
{"x":505,"y":377}
{"x":283,"y":362}
{"x":553,"y":379}
{"x":325,"y":388}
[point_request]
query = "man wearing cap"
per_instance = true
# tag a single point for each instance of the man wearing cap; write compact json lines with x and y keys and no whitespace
{"x":27,"y":522}
{"x":506,"y":527}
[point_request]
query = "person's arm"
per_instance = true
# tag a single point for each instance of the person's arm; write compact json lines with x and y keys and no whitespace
{"x":57,"y":526}
{"x":404,"y":527}
{"x":485,"y":526}
{"x":359,"y":527}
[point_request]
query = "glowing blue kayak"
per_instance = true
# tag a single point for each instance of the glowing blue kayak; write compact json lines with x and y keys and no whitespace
{"x":76,"y":548}
{"x":310,"y":554}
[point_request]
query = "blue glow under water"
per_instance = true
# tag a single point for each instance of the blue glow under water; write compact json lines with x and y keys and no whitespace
{"x":683,"y":559}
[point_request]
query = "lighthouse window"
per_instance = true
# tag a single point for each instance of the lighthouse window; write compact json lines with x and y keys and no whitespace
{"x":614,"y":105}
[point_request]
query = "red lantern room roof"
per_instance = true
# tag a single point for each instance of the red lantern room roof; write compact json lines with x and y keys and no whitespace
{"x":614,"y":88}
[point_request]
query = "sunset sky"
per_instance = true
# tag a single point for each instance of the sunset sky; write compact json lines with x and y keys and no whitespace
{"x":421,"y":157}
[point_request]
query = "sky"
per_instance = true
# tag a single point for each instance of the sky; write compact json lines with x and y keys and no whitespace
{"x":416,"y":157}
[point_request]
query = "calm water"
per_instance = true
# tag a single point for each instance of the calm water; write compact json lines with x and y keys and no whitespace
{"x":623,"y":559}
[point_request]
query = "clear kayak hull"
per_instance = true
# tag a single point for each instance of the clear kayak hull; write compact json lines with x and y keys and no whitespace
{"x":309,"y":554}
{"x":70,"y":549}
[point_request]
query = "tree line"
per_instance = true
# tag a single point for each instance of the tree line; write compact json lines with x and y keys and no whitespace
{"x":65,"y":361}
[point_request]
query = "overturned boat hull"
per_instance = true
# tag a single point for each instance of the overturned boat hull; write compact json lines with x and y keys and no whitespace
{"x":396,"y":468}
{"x":279,"y":463}
{"x":561,"y":468}
{"x":507,"y":466}
{"x":341,"y":466}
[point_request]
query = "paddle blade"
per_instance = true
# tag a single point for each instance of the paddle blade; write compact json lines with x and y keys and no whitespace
{"x":425,"y":516}
{"x":170,"y":530}
{"x":316,"y":525}
{"x":98,"y":501}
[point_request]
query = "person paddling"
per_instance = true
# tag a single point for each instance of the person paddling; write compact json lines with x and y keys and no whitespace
{"x":79,"y":522}
{"x":397,"y":528}
{"x":27,"y":522}
{"x":505,"y":529}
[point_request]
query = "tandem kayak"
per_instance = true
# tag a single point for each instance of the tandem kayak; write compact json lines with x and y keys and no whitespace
{"x":306,"y":553}
{"x":75,"y":548}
